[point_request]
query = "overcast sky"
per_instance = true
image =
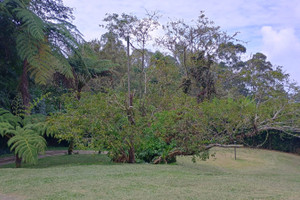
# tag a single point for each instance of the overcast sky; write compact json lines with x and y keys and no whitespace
{"x":268,"y":26}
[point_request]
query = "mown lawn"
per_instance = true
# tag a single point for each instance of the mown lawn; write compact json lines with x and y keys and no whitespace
{"x":256,"y":174}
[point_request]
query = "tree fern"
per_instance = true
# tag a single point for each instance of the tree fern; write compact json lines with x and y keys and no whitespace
{"x":43,"y":64}
{"x":26,"y":144}
{"x":7,"y":117}
{"x":30,"y":22}
{"x":41,"y":43}
{"x":62,"y":65}
{"x":5,"y":128}
{"x":3,"y":112}
{"x":27,"y":46}
{"x":25,"y":134}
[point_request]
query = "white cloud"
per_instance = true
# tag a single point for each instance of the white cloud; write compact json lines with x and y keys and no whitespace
{"x":283,"y":48}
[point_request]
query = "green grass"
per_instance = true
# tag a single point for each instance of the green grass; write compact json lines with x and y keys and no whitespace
{"x":50,"y":148}
{"x":66,"y":161}
{"x":256,"y":174}
{"x":6,"y":155}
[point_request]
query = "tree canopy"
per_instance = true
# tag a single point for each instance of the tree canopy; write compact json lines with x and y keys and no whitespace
{"x":197,"y":91}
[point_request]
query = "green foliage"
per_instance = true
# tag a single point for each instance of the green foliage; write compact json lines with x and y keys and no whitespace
{"x":8,"y":122}
{"x":37,"y":40}
{"x":152,"y":147}
{"x":227,"y":117}
{"x":96,"y":121}
{"x":25,"y":134}
{"x":31,"y":22}
{"x":181,"y":104}
{"x":87,"y":65}
{"x":27,"y":144}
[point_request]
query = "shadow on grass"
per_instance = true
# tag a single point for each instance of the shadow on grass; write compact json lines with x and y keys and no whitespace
{"x":67,"y":160}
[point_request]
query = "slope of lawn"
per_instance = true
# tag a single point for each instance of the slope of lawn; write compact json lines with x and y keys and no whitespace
{"x":256,"y":174}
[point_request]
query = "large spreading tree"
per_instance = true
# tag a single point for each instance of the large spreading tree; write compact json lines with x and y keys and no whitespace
{"x":198,"y":95}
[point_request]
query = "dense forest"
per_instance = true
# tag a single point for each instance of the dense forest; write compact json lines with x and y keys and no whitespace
{"x":200,"y":90}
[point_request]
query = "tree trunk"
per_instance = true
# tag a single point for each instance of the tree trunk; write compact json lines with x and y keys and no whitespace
{"x":174,"y":153}
{"x":131,"y":154}
{"x":18,"y":161}
{"x":131,"y":158}
{"x":128,"y":70}
{"x":24,"y":89}
{"x":131,"y":151}
{"x":78,"y":95}
{"x":270,"y":142}
{"x":71,"y":147}
{"x":184,"y":63}
{"x":24,"y":86}
{"x":143,"y":74}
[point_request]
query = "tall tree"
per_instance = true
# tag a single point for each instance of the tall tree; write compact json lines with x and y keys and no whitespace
{"x":195,"y":47}
{"x":42,"y":38}
{"x":139,"y":30}
{"x":123,"y":26}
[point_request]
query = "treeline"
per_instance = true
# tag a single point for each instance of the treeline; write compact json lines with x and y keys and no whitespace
{"x":117,"y":95}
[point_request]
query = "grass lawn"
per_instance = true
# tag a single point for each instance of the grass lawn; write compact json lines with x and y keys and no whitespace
{"x":256,"y":174}
{"x":6,"y":155}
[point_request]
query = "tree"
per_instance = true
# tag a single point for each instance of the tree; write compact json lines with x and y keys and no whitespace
{"x":139,"y":30}
{"x":195,"y":47}
{"x":172,"y":121}
{"x":142,"y":34}
{"x":39,"y":37}
{"x":229,"y":82}
{"x":273,"y":102}
{"x":87,"y":65}
{"x":41,"y":32}
{"x":97,"y":121}
{"x":110,"y":47}
{"x":164,"y":77}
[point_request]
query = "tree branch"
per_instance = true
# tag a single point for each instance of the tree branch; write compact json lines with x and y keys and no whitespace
{"x":183,"y":153}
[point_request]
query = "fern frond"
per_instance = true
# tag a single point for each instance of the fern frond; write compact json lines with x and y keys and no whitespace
{"x":34,"y":118}
{"x":7,"y":117}
{"x":39,"y":128}
{"x":62,"y":34}
{"x":3,"y":111}
{"x":30,"y":22}
{"x":27,"y":47}
{"x":6,"y":128}
{"x":27,"y":145}
{"x":39,"y":56}
{"x":42,"y":65}
{"x":61,"y":64}
{"x":2,"y":7}
{"x":45,"y":44}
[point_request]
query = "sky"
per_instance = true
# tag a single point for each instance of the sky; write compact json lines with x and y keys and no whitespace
{"x":268,"y":26}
